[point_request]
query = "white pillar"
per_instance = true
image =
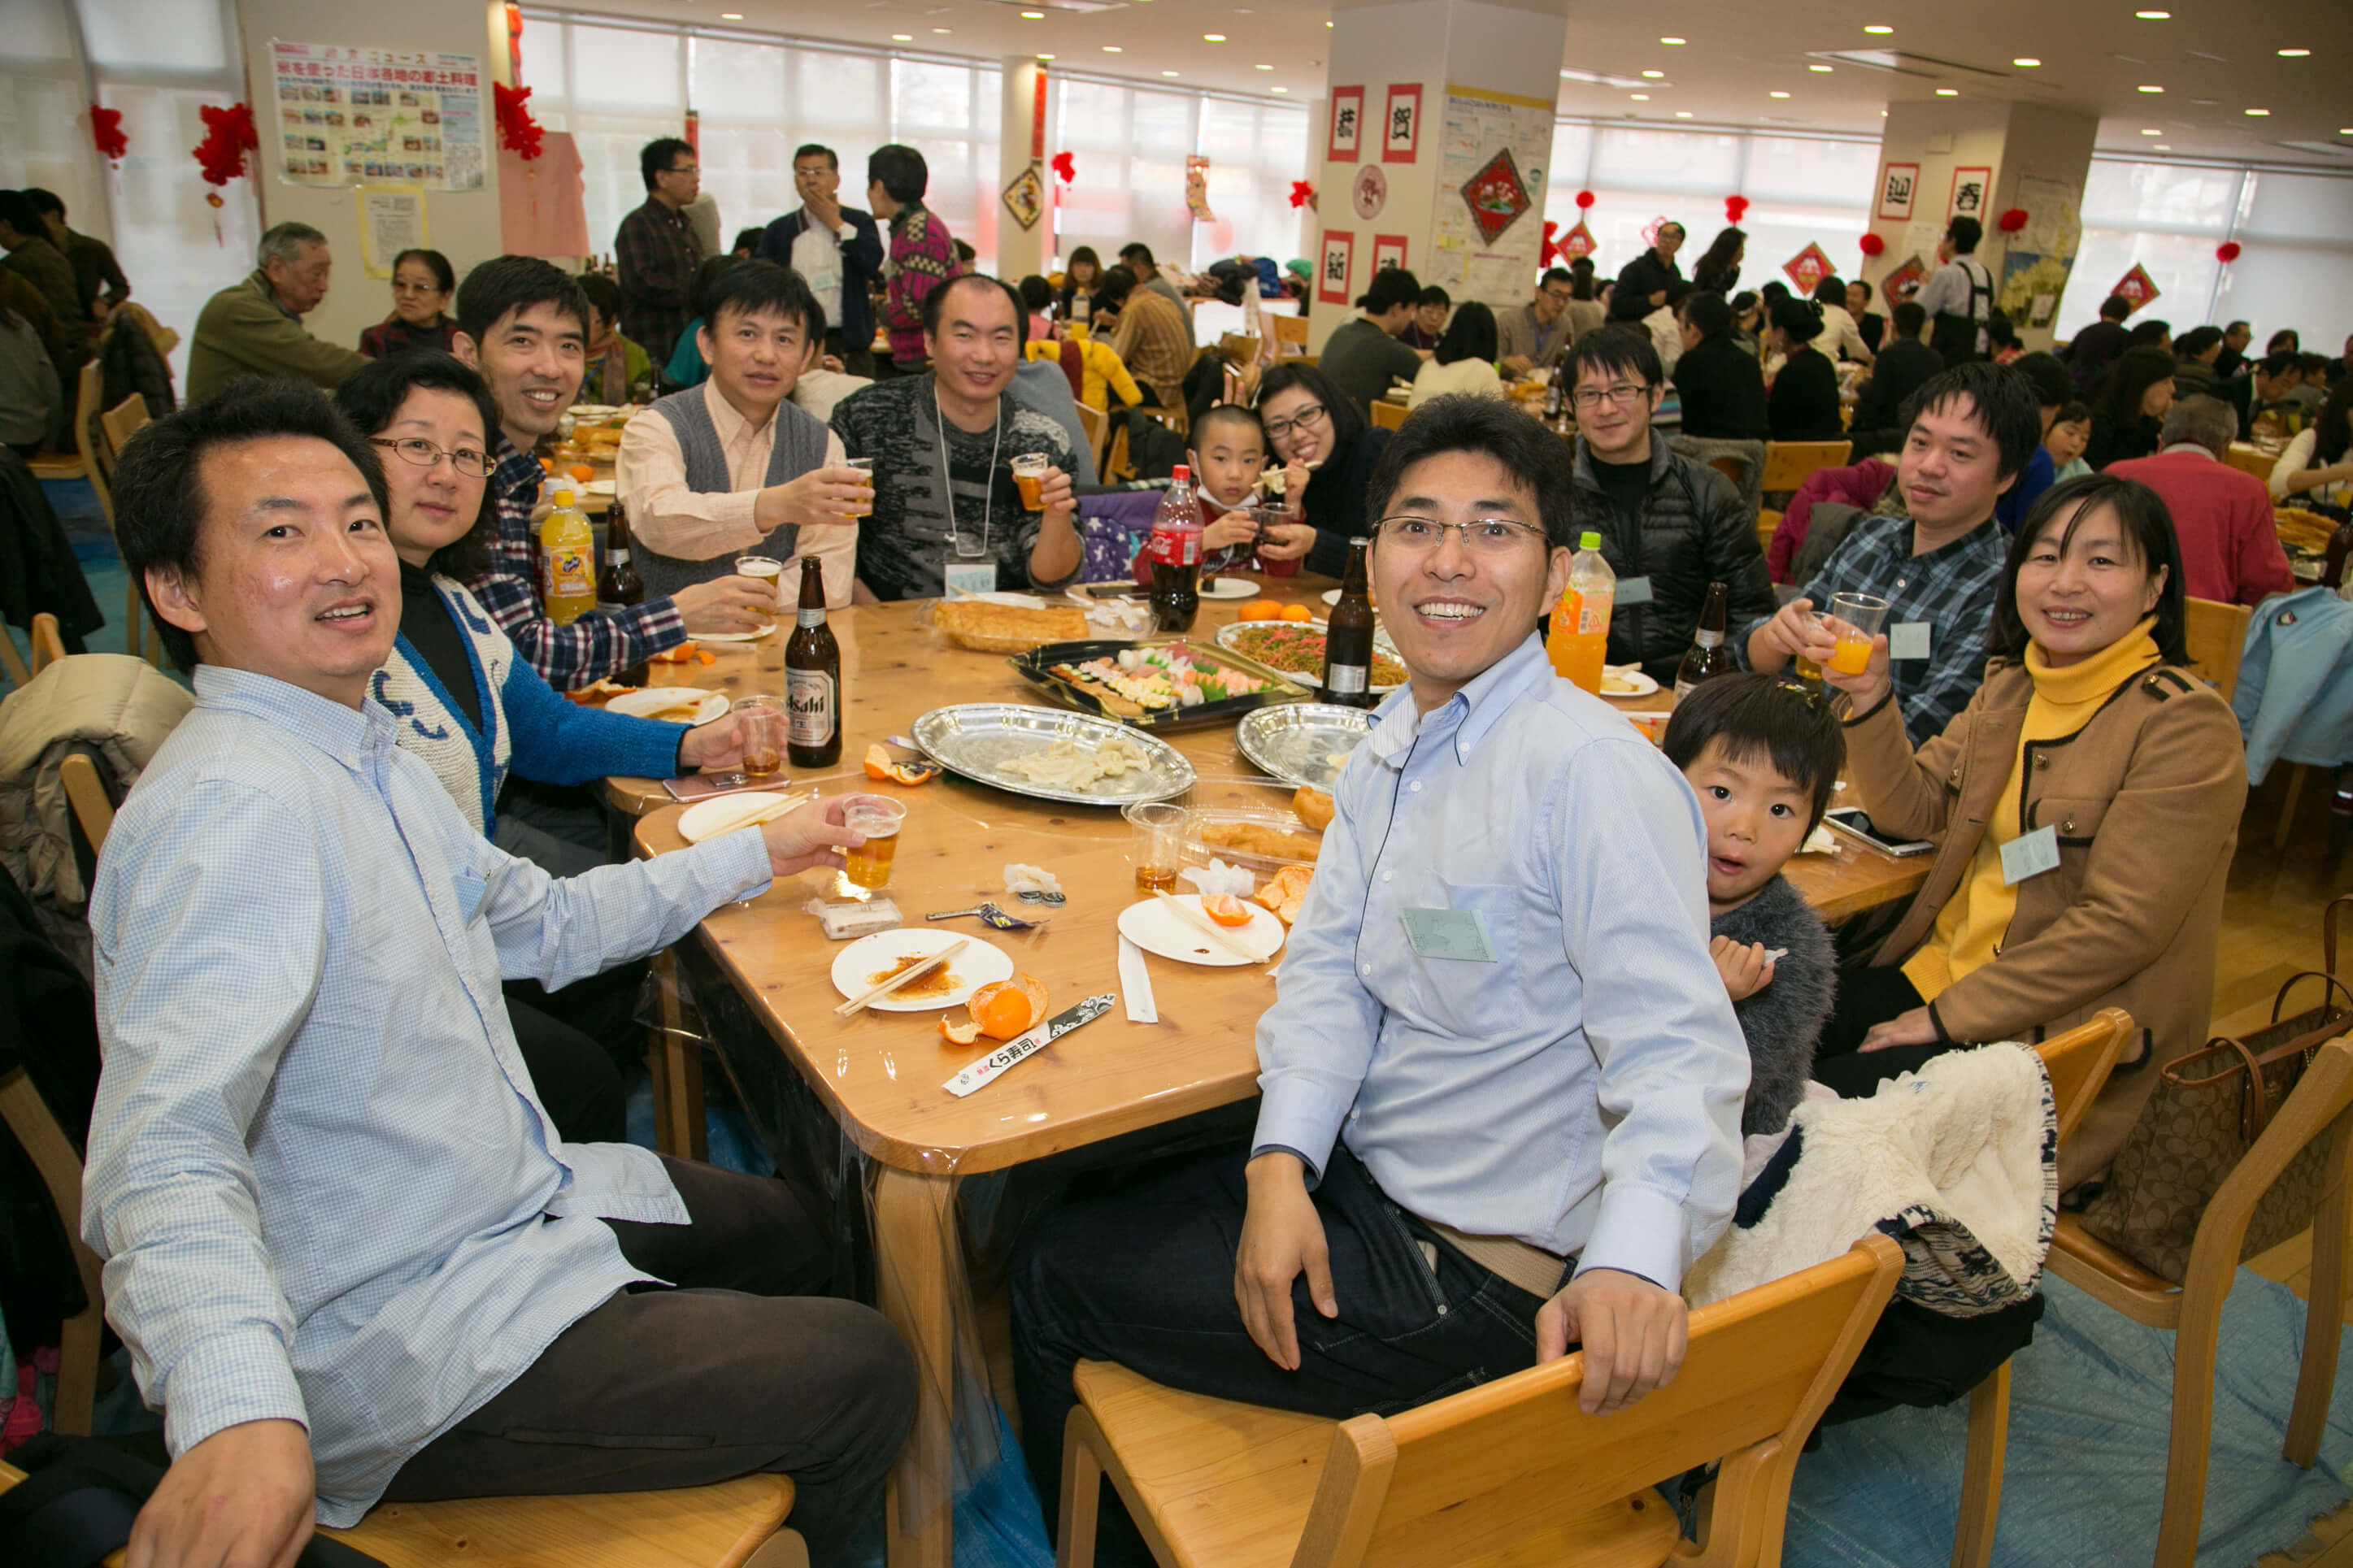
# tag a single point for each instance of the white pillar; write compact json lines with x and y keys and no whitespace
{"x":1024,"y":185}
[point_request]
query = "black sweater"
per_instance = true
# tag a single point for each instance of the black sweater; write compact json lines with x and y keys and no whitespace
{"x":1783,"y":1019}
{"x":1804,"y":403}
{"x":1723,"y":391}
{"x":1335,"y":498}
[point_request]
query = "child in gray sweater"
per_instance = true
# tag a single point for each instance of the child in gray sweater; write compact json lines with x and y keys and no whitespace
{"x":1764,"y":754}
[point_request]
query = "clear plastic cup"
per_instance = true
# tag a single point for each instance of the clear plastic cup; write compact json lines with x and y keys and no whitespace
{"x":1030,"y":478}
{"x":866,"y":467}
{"x":1854,"y":621}
{"x":764,"y":569}
{"x":1159,"y":850}
{"x":761,"y":725}
{"x":868,"y":865}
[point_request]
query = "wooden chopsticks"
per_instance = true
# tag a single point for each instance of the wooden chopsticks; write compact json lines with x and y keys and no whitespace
{"x":1202,"y":923}
{"x":858,"y":1004}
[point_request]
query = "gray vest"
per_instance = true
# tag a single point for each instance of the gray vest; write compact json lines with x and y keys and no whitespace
{"x":799,"y":446}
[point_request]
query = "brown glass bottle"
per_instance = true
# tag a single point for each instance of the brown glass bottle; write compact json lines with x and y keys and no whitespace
{"x":1708,"y":656}
{"x":812,"y":678}
{"x":1348,"y":636}
{"x":618,"y":587}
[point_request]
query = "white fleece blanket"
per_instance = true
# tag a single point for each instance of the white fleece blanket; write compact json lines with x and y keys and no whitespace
{"x":1957,"y":1162}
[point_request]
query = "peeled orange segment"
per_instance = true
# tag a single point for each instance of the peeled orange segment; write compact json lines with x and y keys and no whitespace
{"x":1008,"y":1008}
{"x":959,"y":1034}
{"x":1225,"y":910}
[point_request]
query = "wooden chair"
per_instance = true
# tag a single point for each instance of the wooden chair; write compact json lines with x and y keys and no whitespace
{"x":97,"y":435}
{"x":48,"y":643}
{"x":1388,"y":415}
{"x":1214,"y":1483}
{"x":86,"y":793}
{"x":1096,"y":423}
{"x":2322,"y":1106}
{"x":1786,"y":463}
{"x":52,"y":1152}
{"x":2217,"y":636}
{"x":1290,"y":336}
{"x":89,"y":440}
{"x":735,"y":1524}
{"x":2079,"y":1062}
{"x":56,"y":466}
{"x":122,"y":422}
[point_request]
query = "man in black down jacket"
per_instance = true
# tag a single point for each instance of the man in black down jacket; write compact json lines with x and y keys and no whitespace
{"x":1668,"y":526}
{"x":1902,"y":367}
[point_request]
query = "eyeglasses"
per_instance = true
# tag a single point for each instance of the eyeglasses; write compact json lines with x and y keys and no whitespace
{"x":1622,"y":394}
{"x":1306,"y":418}
{"x":688,"y":169}
{"x":1480,"y":536}
{"x":425,"y":454}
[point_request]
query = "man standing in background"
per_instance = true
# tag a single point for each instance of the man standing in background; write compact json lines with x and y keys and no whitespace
{"x":837,"y":249}
{"x":923,"y":251}
{"x":658,"y":250}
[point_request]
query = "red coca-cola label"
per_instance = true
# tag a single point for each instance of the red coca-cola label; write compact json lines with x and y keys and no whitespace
{"x":1174,"y":547}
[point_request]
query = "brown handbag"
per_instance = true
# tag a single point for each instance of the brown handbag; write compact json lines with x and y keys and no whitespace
{"x":2205,"y":1112}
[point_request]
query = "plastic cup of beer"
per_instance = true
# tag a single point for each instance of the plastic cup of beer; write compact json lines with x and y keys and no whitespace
{"x":1159,"y":849}
{"x":1030,"y":478}
{"x":766,"y":570}
{"x":865,"y":466}
{"x":868,"y":865}
{"x":1855,"y":620}
{"x":761,"y":723}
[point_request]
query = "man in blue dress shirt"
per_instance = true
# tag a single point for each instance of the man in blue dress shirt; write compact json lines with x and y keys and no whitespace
{"x":1501,"y":1083}
{"x":350,"y":1255}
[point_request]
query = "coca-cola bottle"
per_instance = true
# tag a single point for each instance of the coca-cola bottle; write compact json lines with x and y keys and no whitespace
{"x":1175,"y":552}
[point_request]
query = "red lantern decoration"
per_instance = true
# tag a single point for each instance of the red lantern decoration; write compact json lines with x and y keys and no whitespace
{"x":1545,"y":250}
{"x":1871,"y":243}
{"x":1584,"y":200}
{"x":106,"y":131}
{"x":518,"y":133}
{"x":1735,"y":208}
{"x":228,"y":137}
{"x":1066,"y":168}
{"x":2010,"y":222}
{"x":1303,"y":195}
{"x":2227,"y":252}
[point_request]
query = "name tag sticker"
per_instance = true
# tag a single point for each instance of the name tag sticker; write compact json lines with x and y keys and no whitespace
{"x":972,"y":578}
{"x":1907,"y":639}
{"x":1459,"y":934}
{"x":2030,"y":855}
{"x":1633,"y":591}
{"x":469,"y":888}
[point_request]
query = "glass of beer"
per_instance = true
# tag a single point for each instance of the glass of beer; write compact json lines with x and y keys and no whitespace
{"x":760,"y":724}
{"x":868,"y":865}
{"x":1855,"y":619}
{"x":1030,"y":478}
{"x":766,"y":570}
{"x":865,"y":466}
{"x":1160,"y":844}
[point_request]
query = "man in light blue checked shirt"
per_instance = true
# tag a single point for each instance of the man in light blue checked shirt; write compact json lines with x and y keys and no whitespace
{"x":1503,"y":1081}
{"x":350,"y":1256}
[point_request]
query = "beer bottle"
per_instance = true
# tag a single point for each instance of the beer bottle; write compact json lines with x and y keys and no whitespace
{"x":1708,"y":656}
{"x":618,"y":587}
{"x":812,"y":678}
{"x":1348,"y":636}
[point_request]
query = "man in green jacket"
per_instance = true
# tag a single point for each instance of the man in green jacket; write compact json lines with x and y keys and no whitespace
{"x":254,"y":328}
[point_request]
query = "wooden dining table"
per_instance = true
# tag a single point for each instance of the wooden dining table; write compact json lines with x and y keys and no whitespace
{"x":881,"y":1076}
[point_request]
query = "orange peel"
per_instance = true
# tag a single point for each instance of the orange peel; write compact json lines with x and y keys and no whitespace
{"x":1225,"y":910}
{"x":959,"y":1034}
{"x":881,"y":766}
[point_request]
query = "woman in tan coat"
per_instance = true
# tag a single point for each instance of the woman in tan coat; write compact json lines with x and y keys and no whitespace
{"x":2088,"y":803}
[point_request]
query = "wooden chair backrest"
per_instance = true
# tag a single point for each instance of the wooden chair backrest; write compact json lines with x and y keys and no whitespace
{"x":1388,"y":415}
{"x":97,"y":461}
{"x":2080,"y":1060}
{"x":48,"y":644}
{"x":45,"y":1142}
{"x":122,"y":422}
{"x":86,"y":793}
{"x":1426,"y":1489}
{"x":1786,"y":463}
{"x":1290,"y":335}
{"x":1095,"y":422}
{"x":2217,"y":638}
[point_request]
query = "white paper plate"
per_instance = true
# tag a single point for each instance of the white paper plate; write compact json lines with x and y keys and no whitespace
{"x":766,"y":631}
{"x":1231,"y":588}
{"x":600,"y":487}
{"x":1638,"y":684}
{"x":1154,"y":928}
{"x":1331,"y":595}
{"x":705,"y":817}
{"x":980,"y":962}
{"x":652,"y":699}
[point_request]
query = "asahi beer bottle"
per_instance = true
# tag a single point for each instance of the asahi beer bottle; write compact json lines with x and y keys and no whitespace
{"x":618,"y":587}
{"x":1708,"y":656}
{"x":812,"y":678}
{"x":1348,"y":636}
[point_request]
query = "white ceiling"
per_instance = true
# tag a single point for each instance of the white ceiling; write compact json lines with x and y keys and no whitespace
{"x":2214,"y":62}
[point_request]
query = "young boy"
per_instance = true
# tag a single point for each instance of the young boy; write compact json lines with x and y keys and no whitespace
{"x":1228,"y":453}
{"x":1763,"y":754}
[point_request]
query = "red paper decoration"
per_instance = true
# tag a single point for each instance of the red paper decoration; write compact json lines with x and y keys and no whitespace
{"x":1584,"y":200}
{"x":1303,"y":195}
{"x":106,"y":130}
{"x":2010,"y":222}
{"x":518,"y":133}
{"x":1066,"y":168}
{"x":2227,"y":252}
{"x":1545,"y":250}
{"x":1871,"y":243}
{"x":1734,"y":208}
{"x":228,"y":137}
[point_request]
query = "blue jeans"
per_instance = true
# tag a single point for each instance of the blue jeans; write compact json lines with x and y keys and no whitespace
{"x":1144,"y":1275}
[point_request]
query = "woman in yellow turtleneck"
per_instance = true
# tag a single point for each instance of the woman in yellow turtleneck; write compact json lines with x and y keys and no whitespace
{"x":2087,"y":800}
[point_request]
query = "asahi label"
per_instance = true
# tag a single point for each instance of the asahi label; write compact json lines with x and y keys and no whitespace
{"x":809,"y":620}
{"x":1346,"y":678}
{"x":809,"y":698}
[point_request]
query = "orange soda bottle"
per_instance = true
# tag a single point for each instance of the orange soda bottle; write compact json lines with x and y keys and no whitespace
{"x":1578,"y":643}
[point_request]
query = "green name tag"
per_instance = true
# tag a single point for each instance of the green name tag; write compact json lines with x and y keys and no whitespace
{"x":1449,"y":933}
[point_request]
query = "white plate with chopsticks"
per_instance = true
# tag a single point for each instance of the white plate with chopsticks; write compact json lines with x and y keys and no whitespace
{"x":867,"y":962}
{"x":768,"y":630}
{"x":678,"y":704}
{"x":1158,"y":929}
{"x":727,"y":813}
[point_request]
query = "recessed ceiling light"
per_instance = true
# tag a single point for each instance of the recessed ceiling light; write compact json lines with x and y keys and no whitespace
{"x":1682,"y":114}
{"x":1213,"y":37}
{"x":1111,"y":49}
{"x":1878,"y":28}
{"x":1777,"y":94}
{"x":1167,"y":73}
{"x":2026,"y":62}
{"x":2151,"y":131}
{"x":1262,"y":67}
{"x":1033,"y":15}
{"x":902,"y":38}
{"x":731,"y":15}
{"x":2293,"y":54}
{"x":2154,"y":15}
{"x":1671,"y":40}
{"x":2145,"y":88}
{"x":2259,"y":113}
{"x":1282,"y":89}
{"x":1640,"y":97}
{"x":2161,"y":146}
{"x":1948,"y":92}
{"x":941,"y":29}
{"x":1654,"y":76}
{"x":1824,"y":70}
{"x":1045,"y":57}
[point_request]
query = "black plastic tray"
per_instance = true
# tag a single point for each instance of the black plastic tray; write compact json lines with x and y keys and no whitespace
{"x":1036,"y":666}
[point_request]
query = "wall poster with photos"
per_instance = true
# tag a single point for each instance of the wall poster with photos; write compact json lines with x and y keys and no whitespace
{"x":350,"y":116}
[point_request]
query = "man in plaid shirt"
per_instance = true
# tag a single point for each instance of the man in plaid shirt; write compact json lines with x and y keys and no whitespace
{"x":1971,"y":432}
{"x":658,"y":251}
{"x":524,"y":325}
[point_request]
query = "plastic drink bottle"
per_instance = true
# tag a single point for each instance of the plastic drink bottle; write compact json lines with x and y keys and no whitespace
{"x":1578,"y":643}
{"x":1175,"y":552}
{"x":568,"y":562}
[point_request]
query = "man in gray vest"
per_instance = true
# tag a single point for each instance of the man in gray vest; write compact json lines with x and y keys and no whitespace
{"x":733,"y":467}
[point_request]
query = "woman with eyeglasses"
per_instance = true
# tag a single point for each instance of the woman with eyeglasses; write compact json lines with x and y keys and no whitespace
{"x":1328,"y":452}
{"x":422,"y":283}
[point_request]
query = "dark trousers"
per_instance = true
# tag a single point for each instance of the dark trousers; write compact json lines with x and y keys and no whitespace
{"x":857,"y":359}
{"x":1865,"y":997}
{"x":1143,"y":1276}
{"x":732,"y":1373}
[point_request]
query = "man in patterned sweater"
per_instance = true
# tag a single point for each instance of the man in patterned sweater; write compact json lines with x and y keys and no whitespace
{"x":945,"y":507}
{"x":923,"y":251}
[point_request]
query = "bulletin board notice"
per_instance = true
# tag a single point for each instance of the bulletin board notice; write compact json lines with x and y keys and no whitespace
{"x":350,"y":116}
{"x":1488,"y":223}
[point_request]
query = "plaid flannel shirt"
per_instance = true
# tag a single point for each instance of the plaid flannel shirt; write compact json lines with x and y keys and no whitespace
{"x":1951,"y":588}
{"x":591,"y":648}
{"x":657,"y":252}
